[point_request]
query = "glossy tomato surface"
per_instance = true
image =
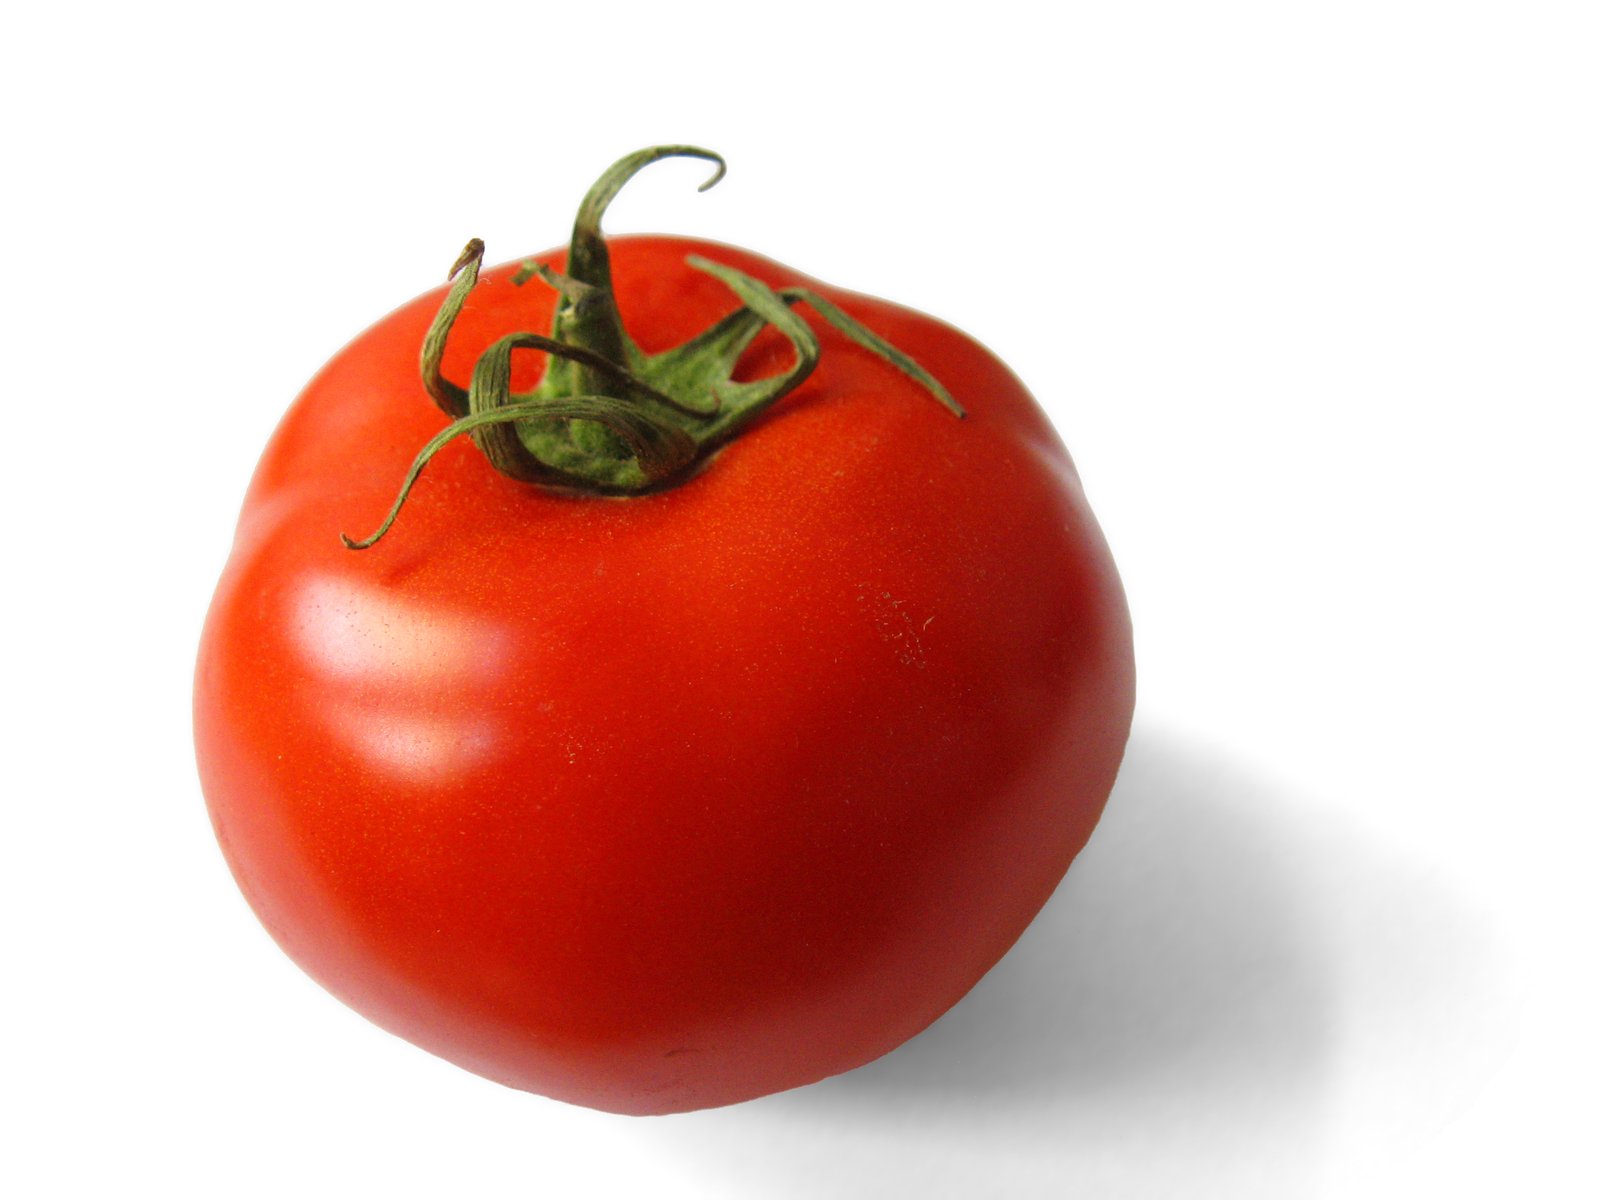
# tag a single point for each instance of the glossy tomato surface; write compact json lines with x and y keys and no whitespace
{"x":664,"y":802}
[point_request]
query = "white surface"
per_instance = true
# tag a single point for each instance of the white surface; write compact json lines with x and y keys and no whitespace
{"x":1310,"y":290}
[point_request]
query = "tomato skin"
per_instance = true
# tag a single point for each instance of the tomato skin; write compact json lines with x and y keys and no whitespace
{"x":666,"y":802}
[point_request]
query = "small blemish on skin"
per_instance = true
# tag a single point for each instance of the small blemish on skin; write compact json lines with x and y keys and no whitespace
{"x":895,"y":626}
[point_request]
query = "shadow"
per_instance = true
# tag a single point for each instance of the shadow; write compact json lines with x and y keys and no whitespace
{"x":1176,"y":1022}
{"x":1177,"y":944}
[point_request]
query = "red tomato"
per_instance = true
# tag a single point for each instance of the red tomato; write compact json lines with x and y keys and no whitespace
{"x":667,"y":801}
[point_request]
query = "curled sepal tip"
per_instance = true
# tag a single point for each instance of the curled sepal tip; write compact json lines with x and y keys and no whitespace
{"x":605,"y":188}
{"x":587,"y":260}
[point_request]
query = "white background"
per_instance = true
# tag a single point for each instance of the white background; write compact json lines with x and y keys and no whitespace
{"x":1311,"y":292}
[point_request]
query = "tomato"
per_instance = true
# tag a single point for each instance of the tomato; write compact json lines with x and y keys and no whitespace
{"x":667,"y":800}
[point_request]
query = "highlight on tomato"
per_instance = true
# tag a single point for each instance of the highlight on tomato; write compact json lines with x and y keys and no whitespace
{"x":651,"y":678}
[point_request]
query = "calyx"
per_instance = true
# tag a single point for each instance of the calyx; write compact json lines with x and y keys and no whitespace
{"x":607,"y":418}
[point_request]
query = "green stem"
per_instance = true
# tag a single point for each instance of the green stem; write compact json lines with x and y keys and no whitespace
{"x":607,"y":418}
